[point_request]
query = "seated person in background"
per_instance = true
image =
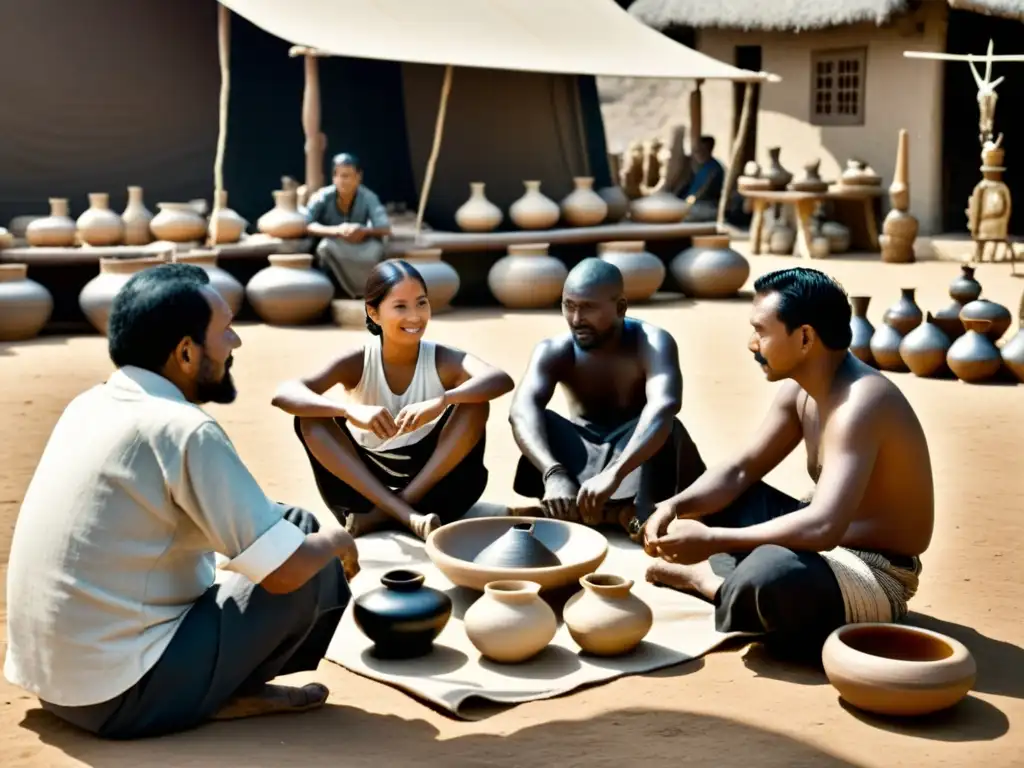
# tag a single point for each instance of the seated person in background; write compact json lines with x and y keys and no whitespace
{"x":352,"y":222}
{"x":622,"y":449}
{"x":797,"y":570}
{"x":705,"y":186}
{"x":114,"y":620}
{"x":408,"y":442}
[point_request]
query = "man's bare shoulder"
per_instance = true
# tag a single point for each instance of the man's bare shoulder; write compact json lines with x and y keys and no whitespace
{"x":655,"y":338}
{"x":554,"y":350}
{"x":873,"y":398}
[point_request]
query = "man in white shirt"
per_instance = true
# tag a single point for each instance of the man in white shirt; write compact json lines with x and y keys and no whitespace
{"x":114,"y":619}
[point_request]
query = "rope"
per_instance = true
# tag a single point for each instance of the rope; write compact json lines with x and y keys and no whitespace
{"x":737,"y":152}
{"x":435,"y":150}
{"x":224,"y":54}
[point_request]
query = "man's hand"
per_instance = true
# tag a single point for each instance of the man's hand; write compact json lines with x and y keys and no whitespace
{"x":345,"y":549}
{"x":560,"y":492}
{"x":687,"y":542}
{"x":415,"y":415}
{"x":372,"y":418}
{"x":657,"y":526}
{"x":593,"y":495}
{"x":351,"y":233}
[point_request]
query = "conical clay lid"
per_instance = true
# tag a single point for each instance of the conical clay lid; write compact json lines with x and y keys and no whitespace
{"x":517,"y":548}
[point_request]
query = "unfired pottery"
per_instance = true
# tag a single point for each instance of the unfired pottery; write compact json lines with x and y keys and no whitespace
{"x":965,"y":288}
{"x":136,"y":217}
{"x":177,"y":223}
{"x":478,"y":214}
{"x":517,"y":548}
{"x":924,"y":349}
{"x":54,"y":231}
{"x":893,"y":669}
{"x":1013,"y":354}
{"x":510,"y":623}
{"x":983,"y":309}
{"x":710,"y":269}
{"x":861,"y":329}
{"x":230,"y":225}
{"x":289,"y":291}
{"x":25,"y":305}
{"x":534,"y":210}
{"x":973,"y":357}
{"x":904,"y":316}
{"x":283,"y":221}
{"x":583,"y":207}
{"x":778,"y":176}
{"x":885,"y":348}
{"x":859,"y":173}
{"x":838,"y":236}
{"x":99,"y":225}
{"x":617,"y":202}
{"x":812,"y":181}
{"x":660,"y":207}
{"x":98,"y":294}
{"x":642,"y":272}
{"x":606,"y":618}
{"x":402,"y":617}
{"x":223,"y":282}
{"x":441,"y":278}
{"x":527,"y":278}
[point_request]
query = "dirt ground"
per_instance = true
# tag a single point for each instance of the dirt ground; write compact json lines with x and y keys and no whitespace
{"x":734,"y":708}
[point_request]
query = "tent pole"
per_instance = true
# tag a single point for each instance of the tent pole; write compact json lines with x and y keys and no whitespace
{"x":432,"y":162}
{"x":224,"y":55}
{"x":739,"y":142}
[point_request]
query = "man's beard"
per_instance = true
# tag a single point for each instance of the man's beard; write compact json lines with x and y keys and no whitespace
{"x":593,"y":339}
{"x":211,"y":390}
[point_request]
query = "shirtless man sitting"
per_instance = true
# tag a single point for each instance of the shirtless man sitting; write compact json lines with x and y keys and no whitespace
{"x":622,"y":449}
{"x":794,"y":570}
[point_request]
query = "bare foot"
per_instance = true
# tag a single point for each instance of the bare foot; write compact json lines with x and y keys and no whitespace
{"x":696,"y":579}
{"x":424,"y":525}
{"x":274,"y":699}
{"x":536,"y":511}
{"x":367,"y":522}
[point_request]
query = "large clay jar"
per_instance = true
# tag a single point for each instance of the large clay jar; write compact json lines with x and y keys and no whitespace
{"x":289,"y":291}
{"x":710,"y":269}
{"x":861,"y":329}
{"x":534,"y":210}
{"x":965,"y":288}
{"x":973,"y":357}
{"x":283,"y":221}
{"x":1013,"y":354}
{"x":617,"y":202}
{"x":885,"y":348}
{"x":478,"y":214}
{"x":642,"y":272}
{"x":527,"y":278}
{"x":606,"y":619}
{"x":177,"y":223}
{"x":924,"y":348}
{"x":892,"y":669}
{"x":25,"y":305}
{"x":983,"y":309}
{"x":583,"y":207}
{"x":229,"y":224}
{"x":510,"y":623}
{"x":441,"y":278}
{"x":517,"y":548}
{"x":403,"y":617}
{"x":223,"y":282}
{"x":777,"y":176}
{"x":136,"y":218}
{"x":904,"y":316}
{"x":659,"y":208}
{"x":98,"y":294}
{"x":99,"y":225}
{"x":54,"y":231}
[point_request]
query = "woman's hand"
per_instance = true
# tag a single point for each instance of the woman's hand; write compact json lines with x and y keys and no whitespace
{"x":372,"y":418}
{"x":414,"y":416}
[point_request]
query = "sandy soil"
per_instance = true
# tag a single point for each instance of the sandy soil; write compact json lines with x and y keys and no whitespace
{"x":734,"y":708}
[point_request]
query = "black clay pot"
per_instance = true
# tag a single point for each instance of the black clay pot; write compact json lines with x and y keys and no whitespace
{"x":517,"y":548}
{"x":403,"y":617}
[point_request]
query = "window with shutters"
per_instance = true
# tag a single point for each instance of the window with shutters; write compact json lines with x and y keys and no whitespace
{"x":837,"y":86}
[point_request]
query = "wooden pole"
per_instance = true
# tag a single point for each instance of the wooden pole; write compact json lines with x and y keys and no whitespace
{"x":739,"y":142}
{"x":428,"y":179}
{"x":316,"y":142}
{"x":224,"y":56}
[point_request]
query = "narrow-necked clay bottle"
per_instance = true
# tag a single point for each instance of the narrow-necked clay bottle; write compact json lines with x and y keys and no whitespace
{"x":478,"y":214}
{"x":583,"y":207}
{"x":924,"y":348}
{"x":136,"y":217}
{"x":861,"y":330}
{"x":284,"y":220}
{"x":99,"y":225}
{"x":965,"y":288}
{"x":230,"y":226}
{"x":534,"y":210}
{"x":606,"y":618}
{"x":904,"y":316}
{"x":56,"y":230}
{"x":973,"y":357}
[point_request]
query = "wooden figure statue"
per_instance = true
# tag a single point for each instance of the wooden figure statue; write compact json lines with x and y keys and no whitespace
{"x":988,"y":211}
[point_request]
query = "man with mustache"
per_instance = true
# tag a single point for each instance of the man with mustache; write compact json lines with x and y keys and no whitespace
{"x":114,"y":619}
{"x":796,"y":570}
{"x":622,"y":448}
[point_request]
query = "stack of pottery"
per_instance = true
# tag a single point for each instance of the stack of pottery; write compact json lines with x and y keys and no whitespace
{"x":812,"y":181}
{"x":963,"y":290}
{"x":284,"y":221}
{"x":510,"y":623}
{"x":924,"y":349}
{"x":899,"y":320}
{"x":777,"y":176}
{"x":617,"y":202}
{"x":899,"y":230}
{"x":478,"y":214}
{"x":25,"y":305}
{"x":136,"y":217}
{"x":54,"y":231}
{"x":583,"y":207}
{"x":289,"y":291}
{"x":642,"y":272}
{"x":534,"y":210}
{"x":99,"y":225}
{"x":710,"y":269}
{"x":861,"y":330}
{"x":859,"y":174}
{"x":997,"y":315}
{"x":606,"y":618}
{"x":402,"y":617}
{"x":222,"y":281}
{"x":441,"y":278}
{"x":973,"y":357}
{"x":661,"y":207}
{"x":178,"y":223}
{"x":98,"y":294}
{"x":527,"y":278}
{"x":225,"y":224}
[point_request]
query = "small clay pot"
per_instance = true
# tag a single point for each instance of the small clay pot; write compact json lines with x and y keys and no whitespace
{"x":403,"y":617}
{"x":660,"y":207}
{"x":517,"y":548}
{"x":534,"y":210}
{"x":781,"y":238}
{"x":1013,"y":354}
{"x":527,"y":278}
{"x":982,"y":309}
{"x":289,"y":291}
{"x":885,"y":348}
{"x":54,"y":231}
{"x":710,"y":269}
{"x":965,"y":288}
{"x":812,"y":181}
{"x":861,"y":330}
{"x":510,"y":623}
{"x":283,"y":221}
{"x":478,"y":214}
{"x":223,"y":282}
{"x":973,"y":357}
{"x":583,"y":207}
{"x":778,"y":176}
{"x":606,"y":618}
{"x":642,"y":272}
{"x":441,"y":278}
{"x":98,"y":294}
{"x":178,"y":223}
{"x":229,"y":225}
{"x":904,"y":316}
{"x":25,"y":305}
{"x":924,"y":348}
{"x":98,"y":225}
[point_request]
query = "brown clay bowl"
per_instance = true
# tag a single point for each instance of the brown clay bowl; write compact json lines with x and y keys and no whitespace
{"x":452,"y":548}
{"x":894,"y":669}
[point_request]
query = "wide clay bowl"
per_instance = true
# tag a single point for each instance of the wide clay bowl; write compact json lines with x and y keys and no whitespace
{"x":453,"y":547}
{"x":893,"y":669}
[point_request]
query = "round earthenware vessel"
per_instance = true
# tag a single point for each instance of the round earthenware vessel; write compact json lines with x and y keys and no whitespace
{"x":136,"y":217}
{"x":861,"y":329}
{"x":904,"y":316}
{"x":606,"y":618}
{"x":402,"y":617}
{"x":441,"y":278}
{"x":998,"y":316}
{"x":781,"y":238}
{"x":177,"y":223}
{"x":924,"y":349}
{"x":710,"y":269}
{"x":885,"y":348}
{"x":1013,"y":354}
{"x":25,"y":305}
{"x":289,"y":291}
{"x":973,"y":357}
{"x":223,"y":282}
{"x":583,"y":207}
{"x":838,"y":236}
{"x":510,"y":623}
{"x":99,"y":225}
{"x":98,"y":294}
{"x":478,"y":214}
{"x":517,"y":548}
{"x":965,"y":288}
{"x":660,"y":207}
{"x":534,"y":210}
{"x":54,"y":231}
{"x":642,"y":272}
{"x":229,"y":225}
{"x":617,"y":202}
{"x":284,"y":220}
{"x":527,"y":278}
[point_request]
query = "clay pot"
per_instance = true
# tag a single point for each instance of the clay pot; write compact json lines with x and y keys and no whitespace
{"x":838,"y":236}
{"x":478,"y":214}
{"x":54,"y":231}
{"x":892,"y":669}
{"x":534,"y":210}
{"x":904,"y":316}
{"x":223,"y":282}
{"x":861,"y":329}
{"x":289,"y":291}
{"x":583,"y":207}
{"x":658,"y":208}
{"x":177,"y":223}
{"x":527,"y":278}
{"x":99,"y":225}
{"x":617,"y":202}
{"x":965,"y":289}
{"x":781,"y":238}
{"x":606,"y":619}
{"x":136,"y":217}
{"x":230,"y":226}
{"x":778,"y":176}
{"x":885,"y":348}
{"x":947,"y":320}
{"x":517,"y":548}
{"x":924,"y":348}
{"x":402,"y":617}
{"x":1013,"y":354}
{"x":897,"y":240}
{"x":510,"y":623}
{"x":983,"y":309}
{"x":812,"y":181}
{"x":25,"y":305}
{"x":973,"y":357}
{"x":859,"y":173}
{"x":441,"y":278}
{"x":283,"y":221}
{"x":6,"y":238}
{"x":710,"y":269}
{"x":642,"y":272}
{"x":98,"y":294}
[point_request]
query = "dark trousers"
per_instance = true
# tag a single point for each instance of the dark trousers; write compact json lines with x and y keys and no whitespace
{"x":234,"y":639}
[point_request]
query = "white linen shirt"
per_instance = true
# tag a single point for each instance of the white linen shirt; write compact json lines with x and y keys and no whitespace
{"x":136,"y":490}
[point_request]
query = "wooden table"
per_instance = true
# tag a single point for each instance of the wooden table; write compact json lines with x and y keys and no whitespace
{"x":804,"y":204}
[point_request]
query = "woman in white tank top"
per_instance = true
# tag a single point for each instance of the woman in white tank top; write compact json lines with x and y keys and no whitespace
{"x":407,"y":443}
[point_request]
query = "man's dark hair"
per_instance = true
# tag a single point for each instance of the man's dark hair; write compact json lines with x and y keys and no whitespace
{"x":154,"y":311}
{"x":708,"y":142}
{"x":810,"y":297}
{"x":347,"y":158}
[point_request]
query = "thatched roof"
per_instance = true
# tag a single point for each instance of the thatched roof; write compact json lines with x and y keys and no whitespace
{"x":1010,"y":9}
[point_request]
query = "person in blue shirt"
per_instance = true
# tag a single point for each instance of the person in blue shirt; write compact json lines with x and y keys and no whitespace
{"x":705,"y":186}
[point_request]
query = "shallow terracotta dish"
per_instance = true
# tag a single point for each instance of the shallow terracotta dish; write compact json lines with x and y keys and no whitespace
{"x":452,"y":548}
{"x":893,"y":669}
